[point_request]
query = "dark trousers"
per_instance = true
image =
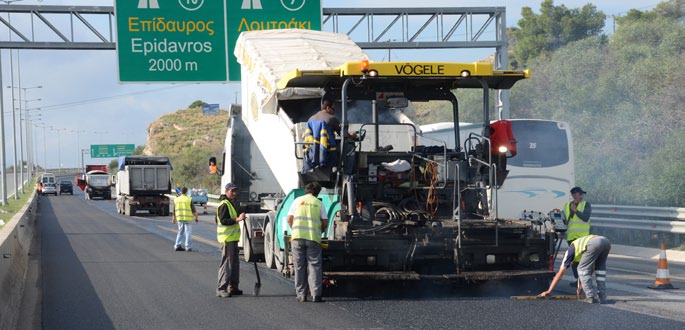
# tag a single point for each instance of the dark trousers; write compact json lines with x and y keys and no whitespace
{"x":574,"y":265}
{"x":229,"y":269}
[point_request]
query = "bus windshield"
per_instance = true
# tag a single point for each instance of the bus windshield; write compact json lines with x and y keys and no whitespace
{"x":539,"y":144}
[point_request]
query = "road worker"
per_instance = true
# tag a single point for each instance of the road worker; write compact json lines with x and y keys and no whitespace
{"x":184,"y":212}
{"x":307,"y":219}
{"x":228,"y":235}
{"x":590,"y":252}
{"x":577,"y":215}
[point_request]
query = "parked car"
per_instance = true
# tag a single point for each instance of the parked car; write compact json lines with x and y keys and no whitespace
{"x":199,"y":196}
{"x":66,"y":186}
{"x":49,"y":188}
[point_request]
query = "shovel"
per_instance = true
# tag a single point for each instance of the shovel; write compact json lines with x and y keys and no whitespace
{"x":258,"y":285}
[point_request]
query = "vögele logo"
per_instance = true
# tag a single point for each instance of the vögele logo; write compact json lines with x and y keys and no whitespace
{"x":191,"y":5}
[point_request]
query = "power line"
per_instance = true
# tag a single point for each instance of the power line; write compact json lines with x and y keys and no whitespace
{"x":107,"y":98}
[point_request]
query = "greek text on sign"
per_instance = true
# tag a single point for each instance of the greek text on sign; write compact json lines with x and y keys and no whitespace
{"x":250,"y":15}
{"x":171,"y":41}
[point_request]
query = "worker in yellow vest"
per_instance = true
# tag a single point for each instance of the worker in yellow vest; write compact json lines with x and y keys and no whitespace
{"x":184,"y":213}
{"x":577,"y":215}
{"x":591,"y":253}
{"x":228,"y":235}
{"x":308,"y":219}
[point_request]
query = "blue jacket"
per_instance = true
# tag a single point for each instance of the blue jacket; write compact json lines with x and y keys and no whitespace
{"x":323,"y":151}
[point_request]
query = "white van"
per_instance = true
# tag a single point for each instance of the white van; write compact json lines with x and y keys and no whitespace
{"x":48,"y":178}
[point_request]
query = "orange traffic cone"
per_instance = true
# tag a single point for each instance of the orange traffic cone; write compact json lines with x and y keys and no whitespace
{"x":663,"y":280}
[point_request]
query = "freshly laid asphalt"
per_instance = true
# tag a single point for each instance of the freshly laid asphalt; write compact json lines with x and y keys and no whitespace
{"x":99,"y":270}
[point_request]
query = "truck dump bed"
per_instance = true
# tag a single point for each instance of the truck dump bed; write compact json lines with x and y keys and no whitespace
{"x":143,"y":160}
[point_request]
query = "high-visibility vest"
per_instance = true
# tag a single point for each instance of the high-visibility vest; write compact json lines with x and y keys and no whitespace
{"x":182,"y":208}
{"x":227,"y":233}
{"x":307,"y":219}
{"x":580,"y":246}
{"x":577,"y":228}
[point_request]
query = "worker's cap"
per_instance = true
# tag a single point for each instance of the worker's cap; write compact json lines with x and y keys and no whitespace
{"x":578,"y":190}
{"x":231,"y":186}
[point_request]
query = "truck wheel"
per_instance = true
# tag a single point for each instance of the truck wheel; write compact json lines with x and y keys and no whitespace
{"x":269,"y":245}
{"x":248,"y":253}
{"x":129,"y":209}
{"x":279,"y":258}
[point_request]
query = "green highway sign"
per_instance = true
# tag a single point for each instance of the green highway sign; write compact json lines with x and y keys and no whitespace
{"x":111,"y":150}
{"x":171,"y":40}
{"x":249,"y":15}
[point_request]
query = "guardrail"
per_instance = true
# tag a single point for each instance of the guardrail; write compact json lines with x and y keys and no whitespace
{"x":659,"y":219}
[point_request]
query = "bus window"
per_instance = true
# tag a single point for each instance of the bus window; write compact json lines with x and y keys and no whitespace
{"x":540,"y":144}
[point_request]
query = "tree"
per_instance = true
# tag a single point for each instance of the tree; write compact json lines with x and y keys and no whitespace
{"x":623,"y":100}
{"x":139,"y":150}
{"x":555,"y":27}
{"x":196,"y":104}
{"x":668,"y":9}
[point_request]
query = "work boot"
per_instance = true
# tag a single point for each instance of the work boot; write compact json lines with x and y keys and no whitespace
{"x":317,"y":299}
{"x":302,"y":299}
{"x":179,"y":248}
{"x":591,"y":300}
{"x":223,"y":294}
{"x":236,"y":292}
{"x":602,"y":298}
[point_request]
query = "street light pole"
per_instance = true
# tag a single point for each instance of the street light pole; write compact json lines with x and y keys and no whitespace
{"x":59,"y":151}
{"x":83,"y":163}
{"x":29,"y":162}
{"x":14,"y":120}
{"x":78,"y":147}
{"x":2,"y":123}
{"x":3,"y":159}
{"x":45,"y":151}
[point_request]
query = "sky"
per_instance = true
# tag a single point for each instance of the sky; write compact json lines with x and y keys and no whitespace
{"x":83,"y":102}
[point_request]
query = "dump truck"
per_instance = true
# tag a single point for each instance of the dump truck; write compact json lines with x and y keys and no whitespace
{"x":143,"y":184}
{"x":98,"y":184}
{"x":397,"y":210}
{"x":95,"y":182}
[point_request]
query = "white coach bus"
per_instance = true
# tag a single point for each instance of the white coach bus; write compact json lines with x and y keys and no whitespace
{"x":540,"y":175}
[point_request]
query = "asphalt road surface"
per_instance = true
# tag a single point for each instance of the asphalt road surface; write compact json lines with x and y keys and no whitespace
{"x":95,"y":269}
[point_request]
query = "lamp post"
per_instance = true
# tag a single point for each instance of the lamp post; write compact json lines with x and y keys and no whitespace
{"x":83,"y":163}
{"x":14,"y":121}
{"x":3,"y":160}
{"x":29,"y":162}
{"x":59,"y":147}
{"x":34,"y":141}
{"x":30,"y":140}
{"x":78,"y":147}
{"x":21,"y":143}
{"x":45,"y":152}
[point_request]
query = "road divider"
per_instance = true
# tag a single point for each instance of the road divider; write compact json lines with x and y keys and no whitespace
{"x":15,"y":241}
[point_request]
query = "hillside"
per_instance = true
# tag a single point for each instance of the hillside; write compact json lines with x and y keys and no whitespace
{"x":189,"y":138}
